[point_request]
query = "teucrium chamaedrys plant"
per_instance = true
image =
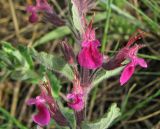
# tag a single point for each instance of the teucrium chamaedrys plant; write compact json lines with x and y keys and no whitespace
{"x":84,"y":68}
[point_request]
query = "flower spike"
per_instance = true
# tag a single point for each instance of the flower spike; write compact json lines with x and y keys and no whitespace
{"x":42,"y":118}
{"x":128,"y":52}
{"x":90,"y":57}
{"x":47,"y":107}
{"x":41,"y":5}
{"x":76,"y":97}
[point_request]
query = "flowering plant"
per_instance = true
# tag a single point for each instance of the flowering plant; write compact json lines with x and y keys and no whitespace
{"x":84,"y":67}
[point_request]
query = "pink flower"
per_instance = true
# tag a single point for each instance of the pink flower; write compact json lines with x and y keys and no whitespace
{"x":77,"y":102}
{"x":76,"y":98}
{"x":131,"y":54}
{"x":42,"y":118}
{"x":47,"y":107}
{"x":130,"y":68}
{"x":90,"y":57}
{"x":41,"y":5}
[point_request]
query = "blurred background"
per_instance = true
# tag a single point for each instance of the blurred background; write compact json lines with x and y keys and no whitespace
{"x":139,"y":99}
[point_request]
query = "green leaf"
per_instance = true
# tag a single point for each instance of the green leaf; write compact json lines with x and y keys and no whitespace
{"x":5,"y":58}
{"x":15,"y":54}
{"x":53,"y":124}
{"x":54,"y":63}
{"x":55,"y":83}
{"x":106,"y":121}
{"x":7,"y":47}
{"x":55,"y":34}
{"x":69,"y":115}
{"x":76,"y":18}
{"x":4,"y":75}
{"x":25,"y":53}
{"x":28,"y":75}
{"x":17,"y":63}
{"x":103,"y":74}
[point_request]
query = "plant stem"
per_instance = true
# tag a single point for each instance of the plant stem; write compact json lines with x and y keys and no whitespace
{"x":108,"y":15}
{"x":79,"y":118}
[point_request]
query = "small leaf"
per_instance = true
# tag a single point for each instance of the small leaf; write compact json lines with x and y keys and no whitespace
{"x":103,"y":74}
{"x":7,"y":47}
{"x":53,"y":63}
{"x":69,"y":115}
{"x":25,"y":53}
{"x":17,"y":63}
{"x":5,"y":58}
{"x":15,"y":55}
{"x":55,"y":83}
{"x":76,"y":17}
{"x":106,"y":121}
{"x":28,"y":75}
{"x":4,"y":74}
{"x":54,"y":34}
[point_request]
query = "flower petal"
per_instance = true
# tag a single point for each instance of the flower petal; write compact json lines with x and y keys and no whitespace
{"x":33,"y":17}
{"x":86,"y":43}
{"x":31,"y":101}
{"x":127,"y":73}
{"x":42,"y":118}
{"x":89,"y":34}
{"x":77,"y":101}
{"x":90,"y":57}
{"x":141,"y":62}
{"x":31,"y":9}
